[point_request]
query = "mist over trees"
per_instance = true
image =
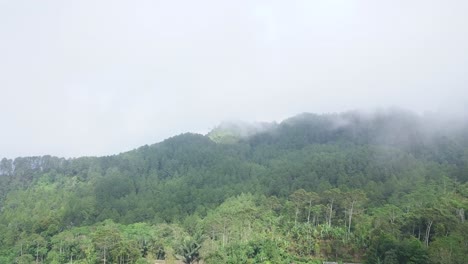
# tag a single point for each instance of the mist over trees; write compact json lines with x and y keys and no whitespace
{"x":381,"y":187}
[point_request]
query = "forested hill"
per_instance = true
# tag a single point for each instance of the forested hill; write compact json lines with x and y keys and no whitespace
{"x":384,"y":187}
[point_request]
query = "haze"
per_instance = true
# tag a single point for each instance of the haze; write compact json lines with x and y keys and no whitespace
{"x":101,"y":77}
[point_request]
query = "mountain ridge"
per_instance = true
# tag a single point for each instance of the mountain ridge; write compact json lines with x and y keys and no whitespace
{"x":296,"y":177}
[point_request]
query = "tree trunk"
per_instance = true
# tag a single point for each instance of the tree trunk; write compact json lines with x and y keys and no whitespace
{"x":461,"y":214}
{"x":295,"y":218}
{"x":428,"y":232}
{"x":224,"y":235}
{"x":350,"y":216}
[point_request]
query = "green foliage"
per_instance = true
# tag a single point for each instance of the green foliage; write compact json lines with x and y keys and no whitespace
{"x":344,"y":187}
{"x":188,"y":249}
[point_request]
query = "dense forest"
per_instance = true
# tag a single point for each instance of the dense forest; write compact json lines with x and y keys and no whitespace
{"x":384,"y":187}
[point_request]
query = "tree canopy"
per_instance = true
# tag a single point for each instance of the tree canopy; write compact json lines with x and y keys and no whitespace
{"x":384,"y":188}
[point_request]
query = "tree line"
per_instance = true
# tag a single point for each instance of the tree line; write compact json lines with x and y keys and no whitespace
{"x":380,"y":189}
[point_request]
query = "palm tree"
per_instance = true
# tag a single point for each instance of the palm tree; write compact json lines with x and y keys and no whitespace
{"x":188,"y":250}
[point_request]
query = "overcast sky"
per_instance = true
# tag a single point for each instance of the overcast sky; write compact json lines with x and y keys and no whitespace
{"x":90,"y":77}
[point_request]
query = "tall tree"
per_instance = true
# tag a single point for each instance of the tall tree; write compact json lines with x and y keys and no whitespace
{"x":331,"y":196}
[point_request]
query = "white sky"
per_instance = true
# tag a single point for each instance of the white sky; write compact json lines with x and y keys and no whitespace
{"x":88,"y":77}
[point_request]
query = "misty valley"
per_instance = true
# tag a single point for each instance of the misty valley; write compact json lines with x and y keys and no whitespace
{"x":382,"y":187}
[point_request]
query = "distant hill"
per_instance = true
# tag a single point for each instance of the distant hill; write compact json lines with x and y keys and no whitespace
{"x":296,"y":177}
{"x":234,"y":131}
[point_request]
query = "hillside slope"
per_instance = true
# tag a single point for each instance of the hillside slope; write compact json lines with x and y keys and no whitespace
{"x":386,"y":186}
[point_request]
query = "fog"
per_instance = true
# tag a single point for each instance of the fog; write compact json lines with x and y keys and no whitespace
{"x":101,"y":77}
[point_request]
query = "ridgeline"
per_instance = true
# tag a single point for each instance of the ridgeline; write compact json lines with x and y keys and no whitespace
{"x":384,"y":187}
